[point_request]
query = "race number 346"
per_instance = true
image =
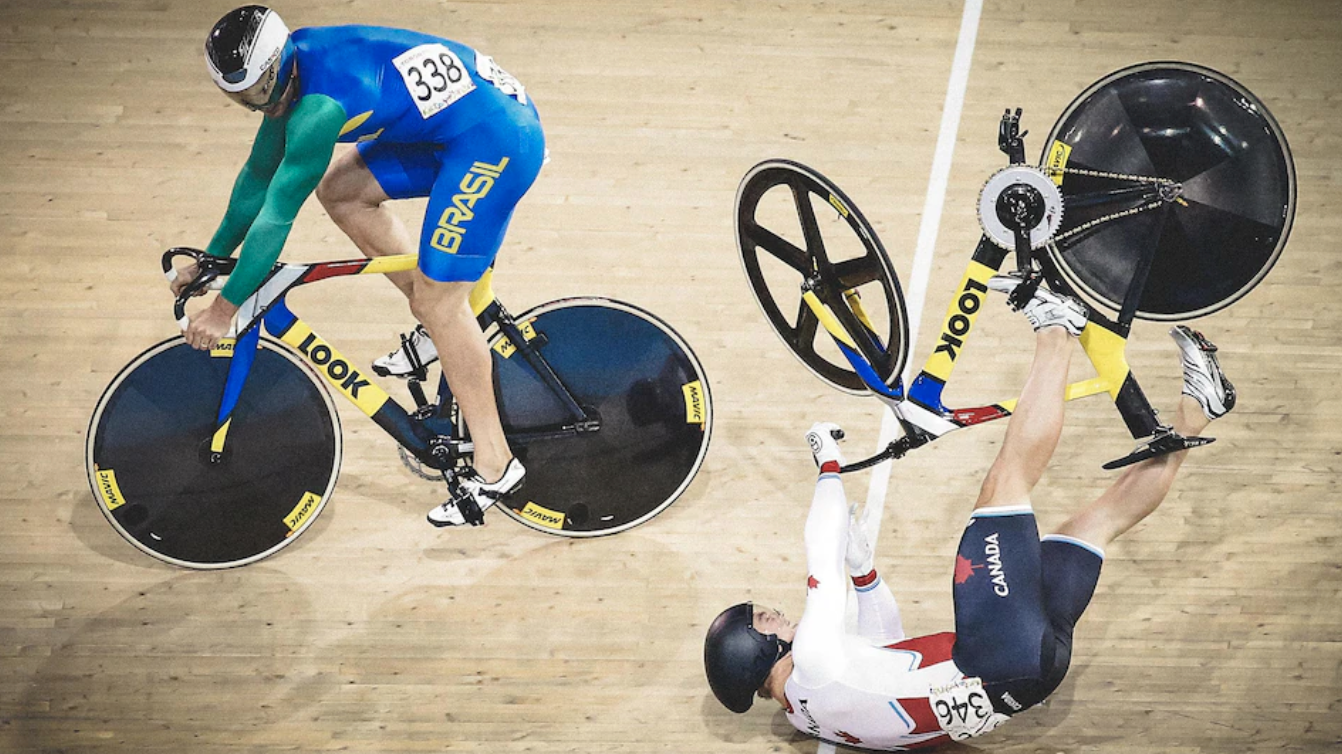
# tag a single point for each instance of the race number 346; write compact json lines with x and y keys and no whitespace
{"x":963,"y":709}
{"x":434,"y":76}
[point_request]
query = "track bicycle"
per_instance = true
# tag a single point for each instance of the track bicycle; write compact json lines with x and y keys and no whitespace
{"x":218,"y":459}
{"x":1165,"y":191}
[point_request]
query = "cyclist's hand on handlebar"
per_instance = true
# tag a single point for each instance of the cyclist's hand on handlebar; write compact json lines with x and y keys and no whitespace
{"x":185,"y":276}
{"x":210,"y":324}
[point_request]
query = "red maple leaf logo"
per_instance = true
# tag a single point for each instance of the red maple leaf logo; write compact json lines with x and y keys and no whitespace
{"x":963,"y":569}
{"x":811,"y":582}
{"x":849,"y":737}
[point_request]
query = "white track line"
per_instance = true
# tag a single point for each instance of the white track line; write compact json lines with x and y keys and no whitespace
{"x":927,"y":241}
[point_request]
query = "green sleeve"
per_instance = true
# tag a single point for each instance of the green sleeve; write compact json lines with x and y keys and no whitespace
{"x":249,"y":190}
{"x":308,"y":138}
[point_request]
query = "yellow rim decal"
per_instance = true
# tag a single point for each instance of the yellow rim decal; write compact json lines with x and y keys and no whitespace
{"x":839,"y":205}
{"x":107,"y":487}
{"x":347,"y":380}
{"x":1058,"y":155}
{"x":217,"y":442}
{"x":302,"y":512}
{"x":505,"y":347}
{"x":224,"y":348}
{"x":543,"y":516}
{"x":694,"y":402}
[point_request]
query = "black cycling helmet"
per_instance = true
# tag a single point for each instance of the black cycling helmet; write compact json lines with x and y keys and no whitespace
{"x":738,"y":658}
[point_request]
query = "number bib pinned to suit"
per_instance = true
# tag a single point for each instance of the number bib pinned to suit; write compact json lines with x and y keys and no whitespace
{"x":434,"y":76}
{"x":963,"y":709}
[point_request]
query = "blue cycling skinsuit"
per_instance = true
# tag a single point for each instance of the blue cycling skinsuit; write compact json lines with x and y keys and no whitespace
{"x":1017,"y":601}
{"x":431,"y":117}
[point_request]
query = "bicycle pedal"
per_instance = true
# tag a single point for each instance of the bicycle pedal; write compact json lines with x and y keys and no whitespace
{"x":469,"y":509}
{"x":1159,"y":445}
{"x":412,"y":377}
{"x":1024,"y":292}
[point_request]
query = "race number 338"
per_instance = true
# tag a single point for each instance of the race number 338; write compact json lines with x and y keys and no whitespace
{"x":434,"y":76}
{"x":963,"y":709}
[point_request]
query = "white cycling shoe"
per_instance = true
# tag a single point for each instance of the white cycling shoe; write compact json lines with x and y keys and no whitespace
{"x":417,"y":347}
{"x":1046,"y":308}
{"x":481,"y":495}
{"x":1204,"y":381}
{"x":823,"y":437}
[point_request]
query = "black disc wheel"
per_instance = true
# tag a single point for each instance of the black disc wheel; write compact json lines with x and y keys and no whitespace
{"x":647,"y":392}
{"x":1180,"y":158}
{"x":797,"y":231}
{"x":156,"y":480}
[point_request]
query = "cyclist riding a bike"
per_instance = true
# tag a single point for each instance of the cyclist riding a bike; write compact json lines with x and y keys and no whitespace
{"x":430,"y":117}
{"x":1017,"y":598}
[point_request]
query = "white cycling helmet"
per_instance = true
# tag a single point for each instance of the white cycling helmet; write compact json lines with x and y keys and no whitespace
{"x":250,"y":56}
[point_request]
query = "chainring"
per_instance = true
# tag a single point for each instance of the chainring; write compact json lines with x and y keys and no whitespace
{"x":998,"y":184}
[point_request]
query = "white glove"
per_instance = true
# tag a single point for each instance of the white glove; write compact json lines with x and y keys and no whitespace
{"x":823,"y":437}
{"x":859,"y":557}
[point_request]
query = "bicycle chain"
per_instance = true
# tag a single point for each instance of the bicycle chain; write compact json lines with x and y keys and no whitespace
{"x":1160,"y":182}
{"x":1052,"y":171}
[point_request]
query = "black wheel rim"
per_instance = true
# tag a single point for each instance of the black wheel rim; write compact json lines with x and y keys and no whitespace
{"x":149,"y":437}
{"x":1192,"y":125}
{"x":640,"y":379}
{"x":884,"y":343}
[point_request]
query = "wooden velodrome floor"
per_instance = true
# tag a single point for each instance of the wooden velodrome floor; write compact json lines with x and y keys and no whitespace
{"x":1215,"y":629}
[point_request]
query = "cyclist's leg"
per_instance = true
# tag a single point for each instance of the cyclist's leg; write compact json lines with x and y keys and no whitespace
{"x":1070,"y":570}
{"x":357,"y":185}
{"x":1035,"y":426}
{"x":1000,"y":625}
{"x":1002,"y":630}
{"x":1139,"y":491}
{"x":483,"y":174}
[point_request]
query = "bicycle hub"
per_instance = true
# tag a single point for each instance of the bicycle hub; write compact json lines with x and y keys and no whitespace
{"x":1020,"y":207}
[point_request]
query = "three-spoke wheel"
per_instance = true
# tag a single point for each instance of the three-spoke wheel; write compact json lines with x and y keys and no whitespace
{"x":797,"y":232}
